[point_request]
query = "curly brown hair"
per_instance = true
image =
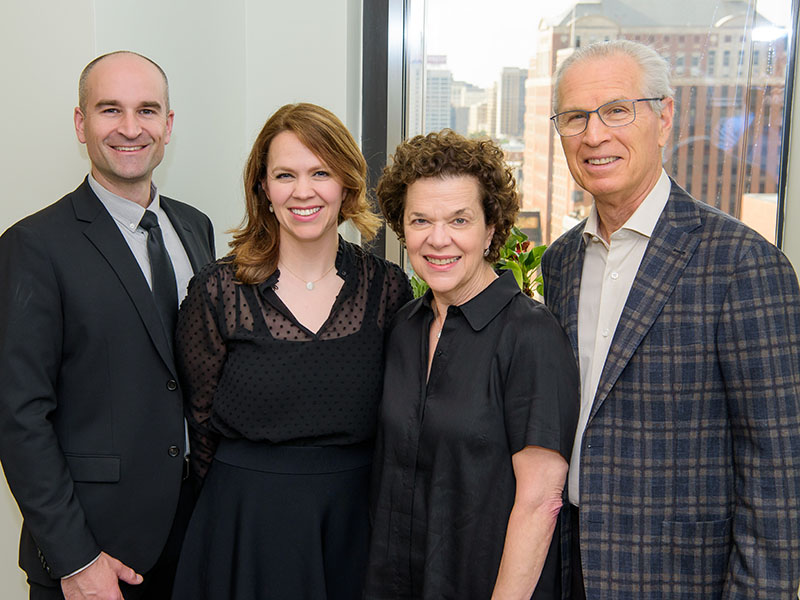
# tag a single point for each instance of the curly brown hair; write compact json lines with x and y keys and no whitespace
{"x":448,"y":154}
{"x":256,"y":241}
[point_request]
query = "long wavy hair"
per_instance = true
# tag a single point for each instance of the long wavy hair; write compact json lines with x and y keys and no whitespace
{"x":256,"y":241}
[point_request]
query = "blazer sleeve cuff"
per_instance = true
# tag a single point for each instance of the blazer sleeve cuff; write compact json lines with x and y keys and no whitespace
{"x":83,"y":568}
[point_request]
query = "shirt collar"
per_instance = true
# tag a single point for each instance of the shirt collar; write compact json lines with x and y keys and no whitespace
{"x":643,"y":220}
{"x":480,"y":310}
{"x":124,"y":211}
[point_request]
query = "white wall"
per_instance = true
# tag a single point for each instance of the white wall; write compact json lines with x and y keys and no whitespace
{"x":230,"y":65}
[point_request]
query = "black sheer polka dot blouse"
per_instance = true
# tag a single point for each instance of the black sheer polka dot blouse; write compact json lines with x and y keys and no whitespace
{"x":250,"y":370}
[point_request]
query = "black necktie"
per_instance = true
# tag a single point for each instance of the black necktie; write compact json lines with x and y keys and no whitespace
{"x":162,"y":273}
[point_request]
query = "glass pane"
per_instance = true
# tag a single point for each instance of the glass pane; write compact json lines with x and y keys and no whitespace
{"x":490,"y":73}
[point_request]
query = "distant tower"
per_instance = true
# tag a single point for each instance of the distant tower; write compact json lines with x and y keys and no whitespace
{"x":468,"y":101}
{"x":511,"y":102}
{"x":438,"y":81}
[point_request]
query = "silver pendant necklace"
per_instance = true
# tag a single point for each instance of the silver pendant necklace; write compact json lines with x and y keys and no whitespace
{"x":309,"y":284}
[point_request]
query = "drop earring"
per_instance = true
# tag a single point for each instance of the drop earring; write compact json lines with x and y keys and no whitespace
{"x":272,"y":210}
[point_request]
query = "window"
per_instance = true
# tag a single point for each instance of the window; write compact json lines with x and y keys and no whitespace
{"x":728,"y":122}
{"x":695,"y":69}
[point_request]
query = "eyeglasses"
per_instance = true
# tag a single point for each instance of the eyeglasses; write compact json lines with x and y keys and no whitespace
{"x":612,"y":114}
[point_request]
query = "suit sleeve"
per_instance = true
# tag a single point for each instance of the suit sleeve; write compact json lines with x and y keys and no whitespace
{"x":30,"y":359}
{"x":758,"y":342}
{"x":211,"y":244}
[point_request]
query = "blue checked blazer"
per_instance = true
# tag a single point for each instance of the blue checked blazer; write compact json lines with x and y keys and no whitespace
{"x":690,"y":469}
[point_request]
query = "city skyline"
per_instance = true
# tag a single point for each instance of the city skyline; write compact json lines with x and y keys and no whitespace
{"x":480,"y":64}
{"x":728,"y":77}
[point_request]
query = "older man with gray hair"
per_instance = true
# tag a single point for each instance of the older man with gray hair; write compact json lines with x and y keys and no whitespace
{"x":686,"y":326}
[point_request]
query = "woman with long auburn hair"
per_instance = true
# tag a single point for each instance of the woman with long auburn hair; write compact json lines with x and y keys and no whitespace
{"x":280,"y":349}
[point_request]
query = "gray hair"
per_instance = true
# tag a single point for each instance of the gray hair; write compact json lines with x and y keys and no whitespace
{"x":83,"y":86}
{"x":655,"y":68}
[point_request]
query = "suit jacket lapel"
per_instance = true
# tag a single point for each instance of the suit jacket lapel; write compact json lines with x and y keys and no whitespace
{"x":668,"y":252}
{"x":572,"y":269}
{"x":189,"y":238}
{"x":104,"y":234}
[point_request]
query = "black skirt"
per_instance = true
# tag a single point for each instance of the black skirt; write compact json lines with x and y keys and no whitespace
{"x":278,"y":522}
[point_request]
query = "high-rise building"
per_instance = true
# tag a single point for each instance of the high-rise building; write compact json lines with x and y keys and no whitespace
{"x":438,"y":81}
{"x":415,"y":116}
{"x":728,"y":86}
{"x":511,"y":102}
{"x":491,"y":111}
{"x":466,"y":98}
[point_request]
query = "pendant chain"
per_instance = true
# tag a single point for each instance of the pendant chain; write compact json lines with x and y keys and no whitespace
{"x":309,"y":284}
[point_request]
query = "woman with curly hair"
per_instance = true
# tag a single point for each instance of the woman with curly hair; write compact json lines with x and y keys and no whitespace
{"x":480,"y":393}
{"x":280,"y":348}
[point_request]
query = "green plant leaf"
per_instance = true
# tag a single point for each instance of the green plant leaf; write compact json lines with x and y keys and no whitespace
{"x":517,"y":271}
{"x":418,"y":286}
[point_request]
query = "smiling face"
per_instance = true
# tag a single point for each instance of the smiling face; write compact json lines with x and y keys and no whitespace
{"x":305,"y":195}
{"x":125,"y":123}
{"x":446,"y":234}
{"x":617,"y":165}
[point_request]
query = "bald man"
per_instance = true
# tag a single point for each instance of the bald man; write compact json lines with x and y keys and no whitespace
{"x":92,"y":436}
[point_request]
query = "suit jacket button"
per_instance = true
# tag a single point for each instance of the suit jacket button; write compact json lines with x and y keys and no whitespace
{"x":174,"y":451}
{"x":172,"y":385}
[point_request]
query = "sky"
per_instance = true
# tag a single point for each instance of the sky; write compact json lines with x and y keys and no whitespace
{"x":480,"y":37}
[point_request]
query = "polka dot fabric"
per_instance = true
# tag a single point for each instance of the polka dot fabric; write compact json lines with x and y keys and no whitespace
{"x":250,"y":370}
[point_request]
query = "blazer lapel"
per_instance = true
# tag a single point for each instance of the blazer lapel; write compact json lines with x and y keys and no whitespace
{"x":103,"y":233}
{"x":572,"y":270}
{"x":189,"y":238}
{"x":668,"y":252}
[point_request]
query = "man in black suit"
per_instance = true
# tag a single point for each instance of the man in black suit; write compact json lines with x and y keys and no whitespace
{"x":92,"y":436}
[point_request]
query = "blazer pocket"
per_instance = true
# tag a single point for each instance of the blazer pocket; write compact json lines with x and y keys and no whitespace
{"x":697,"y":531}
{"x":94,"y":469}
{"x":697,"y":553}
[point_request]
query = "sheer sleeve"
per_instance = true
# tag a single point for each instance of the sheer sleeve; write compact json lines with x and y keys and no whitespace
{"x":200,"y":354}
{"x":396,"y":292}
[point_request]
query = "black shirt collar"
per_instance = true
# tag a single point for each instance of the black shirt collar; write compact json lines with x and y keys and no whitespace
{"x":480,"y":310}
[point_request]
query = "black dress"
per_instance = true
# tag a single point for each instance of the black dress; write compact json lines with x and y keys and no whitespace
{"x":503,"y":377}
{"x":283,"y":422}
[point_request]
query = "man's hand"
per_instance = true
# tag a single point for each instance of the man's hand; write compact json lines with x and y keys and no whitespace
{"x":99,"y":581}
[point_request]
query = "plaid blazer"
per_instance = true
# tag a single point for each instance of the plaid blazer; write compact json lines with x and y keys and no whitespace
{"x":690,"y":470}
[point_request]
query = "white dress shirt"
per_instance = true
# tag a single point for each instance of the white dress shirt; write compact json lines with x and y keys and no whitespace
{"x":127,"y":214}
{"x":608,"y":273}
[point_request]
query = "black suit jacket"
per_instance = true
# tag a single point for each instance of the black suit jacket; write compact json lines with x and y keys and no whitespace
{"x":91,"y":420}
